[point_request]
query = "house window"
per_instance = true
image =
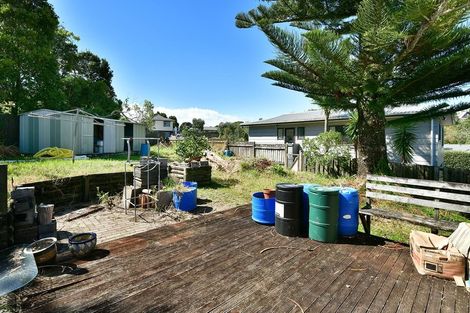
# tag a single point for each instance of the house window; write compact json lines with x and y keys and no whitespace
{"x":300,"y":132}
{"x":338,"y":128}
{"x":280,"y":134}
{"x":166,"y":124}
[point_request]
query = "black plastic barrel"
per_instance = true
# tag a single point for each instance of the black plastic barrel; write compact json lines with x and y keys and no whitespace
{"x":288,"y":209}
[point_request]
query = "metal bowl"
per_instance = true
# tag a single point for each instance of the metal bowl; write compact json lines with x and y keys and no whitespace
{"x":44,"y":250}
{"x":82,"y":244}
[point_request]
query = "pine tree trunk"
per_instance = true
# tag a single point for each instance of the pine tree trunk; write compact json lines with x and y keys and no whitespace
{"x":327,"y":120}
{"x":371,"y":146}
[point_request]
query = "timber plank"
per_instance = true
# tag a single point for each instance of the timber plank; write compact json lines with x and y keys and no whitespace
{"x":426,"y":203}
{"x":422,"y":296}
{"x":342,"y":285}
{"x":448,"y":301}
{"x":374,"y":267}
{"x":462,"y":304}
{"x":135,"y":302}
{"x":366,"y":299}
{"x":250,"y":278}
{"x":156,"y":268}
{"x":214,"y":265}
{"x":398,"y":290}
{"x":203,"y":281}
{"x":420,"y":182}
{"x":421,"y":192}
{"x":385,"y":290}
{"x":435,"y":296}
{"x":411,"y":218}
{"x":360,"y":271}
{"x":301,"y":275}
{"x":131,"y":263}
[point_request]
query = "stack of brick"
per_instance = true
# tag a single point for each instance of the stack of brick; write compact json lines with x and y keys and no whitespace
{"x":24,"y":215}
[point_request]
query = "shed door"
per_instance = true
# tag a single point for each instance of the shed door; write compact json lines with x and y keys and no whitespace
{"x":109,"y":137}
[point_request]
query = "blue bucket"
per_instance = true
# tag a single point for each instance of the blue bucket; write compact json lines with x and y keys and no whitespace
{"x":186,"y":201}
{"x":262,"y":210}
{"x":144,"y":149}
{"x":348,"y":220}
{"x":228,"y":153}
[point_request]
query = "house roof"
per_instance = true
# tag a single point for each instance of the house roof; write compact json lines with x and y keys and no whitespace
{"x":59,"y":115}
{"x":319,"y":115}
{"x":158,"y":117}
{"x":210,"y":128}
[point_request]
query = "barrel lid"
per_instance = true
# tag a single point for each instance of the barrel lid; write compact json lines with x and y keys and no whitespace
{"x":345,"y":190}
{"x":308,"y":186}
{"x":321,"y":189}
{"x":288,"y":186}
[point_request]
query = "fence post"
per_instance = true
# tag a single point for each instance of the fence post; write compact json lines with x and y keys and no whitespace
{"x":3,"y":189}
{"x":286,"y":156}
{"x":254,"y":150}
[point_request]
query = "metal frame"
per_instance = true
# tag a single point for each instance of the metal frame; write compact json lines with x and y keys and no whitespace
{"x":132,"y":200}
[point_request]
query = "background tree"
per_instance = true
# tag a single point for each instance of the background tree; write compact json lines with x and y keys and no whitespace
{"x":458,"y":133}
{"x":29,"y":77}
{"x":41,"y":67}
{"x":185,"y":125}
{"x":198,"y":123}
{"x":175,"y":121}
{"x":326,"y":148}
{"x":143,"y":114}
{"x":232,"y":132}
{"x":368,"y":56}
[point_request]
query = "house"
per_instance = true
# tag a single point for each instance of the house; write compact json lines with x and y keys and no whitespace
{"x":295,"y":127}
{"x":211,"y":132}
{"x":162,"y":126}
{"x":76,"y":130}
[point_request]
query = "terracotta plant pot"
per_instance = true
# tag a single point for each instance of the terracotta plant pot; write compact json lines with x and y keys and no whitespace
{"x":269,"y":193}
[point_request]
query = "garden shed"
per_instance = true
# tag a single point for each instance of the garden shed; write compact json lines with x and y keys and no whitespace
{"x":76,"y":130}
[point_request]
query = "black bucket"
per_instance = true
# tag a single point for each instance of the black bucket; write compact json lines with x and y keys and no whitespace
{"x":288,"y":209}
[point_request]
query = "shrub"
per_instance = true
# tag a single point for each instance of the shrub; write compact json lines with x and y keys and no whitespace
{"x":193,"y":144}
{"x":255,"y":164}
{"x":326,"y":148}
{"x":278,"y":169}
{"x":457,"y":159}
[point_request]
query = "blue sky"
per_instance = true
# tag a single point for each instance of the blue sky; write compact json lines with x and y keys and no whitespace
{"x":187,"y":57}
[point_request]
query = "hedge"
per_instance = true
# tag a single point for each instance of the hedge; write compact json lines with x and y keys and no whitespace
{"x":457,"y":159}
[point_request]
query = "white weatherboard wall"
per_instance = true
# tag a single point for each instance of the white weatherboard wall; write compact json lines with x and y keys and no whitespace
{"x":267,"y":134}
{"x":108,"y":136}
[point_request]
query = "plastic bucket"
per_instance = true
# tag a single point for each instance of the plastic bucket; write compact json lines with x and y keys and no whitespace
{"x":262,"y":210}
{"x":144,"y":149}
{"x":186,"y":201}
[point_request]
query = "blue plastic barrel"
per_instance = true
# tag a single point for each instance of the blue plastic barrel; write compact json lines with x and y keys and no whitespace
{"x":306,"y":207}
{"x":228,"y":153}
{"x":144,"y":149}
{"x":186,"y":201}
{"x":348,"y":212}
{"x":263,"y":210}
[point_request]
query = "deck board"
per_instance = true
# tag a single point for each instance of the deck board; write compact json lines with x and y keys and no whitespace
{"x":214,"y":264}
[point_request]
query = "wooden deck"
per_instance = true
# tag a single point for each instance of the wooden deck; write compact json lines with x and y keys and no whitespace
{"x":222,"y":263}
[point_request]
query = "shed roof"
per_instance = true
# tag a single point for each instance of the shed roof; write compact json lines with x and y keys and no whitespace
{"x":54,"y":114}
{"x":319,"y":115}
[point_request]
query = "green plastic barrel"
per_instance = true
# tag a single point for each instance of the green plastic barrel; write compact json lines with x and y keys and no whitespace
{"x":323,"y":213}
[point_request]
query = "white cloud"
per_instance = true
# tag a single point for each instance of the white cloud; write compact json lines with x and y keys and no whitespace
{"x":211,"y":117}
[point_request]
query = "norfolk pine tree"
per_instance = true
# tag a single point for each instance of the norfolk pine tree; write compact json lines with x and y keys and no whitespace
{"x":367,"y":56}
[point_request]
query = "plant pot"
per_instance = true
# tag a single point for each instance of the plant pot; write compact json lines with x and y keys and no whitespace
{"x":44,"y":250}
{"x":269,"y":193}
{"x":82,"y":244}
